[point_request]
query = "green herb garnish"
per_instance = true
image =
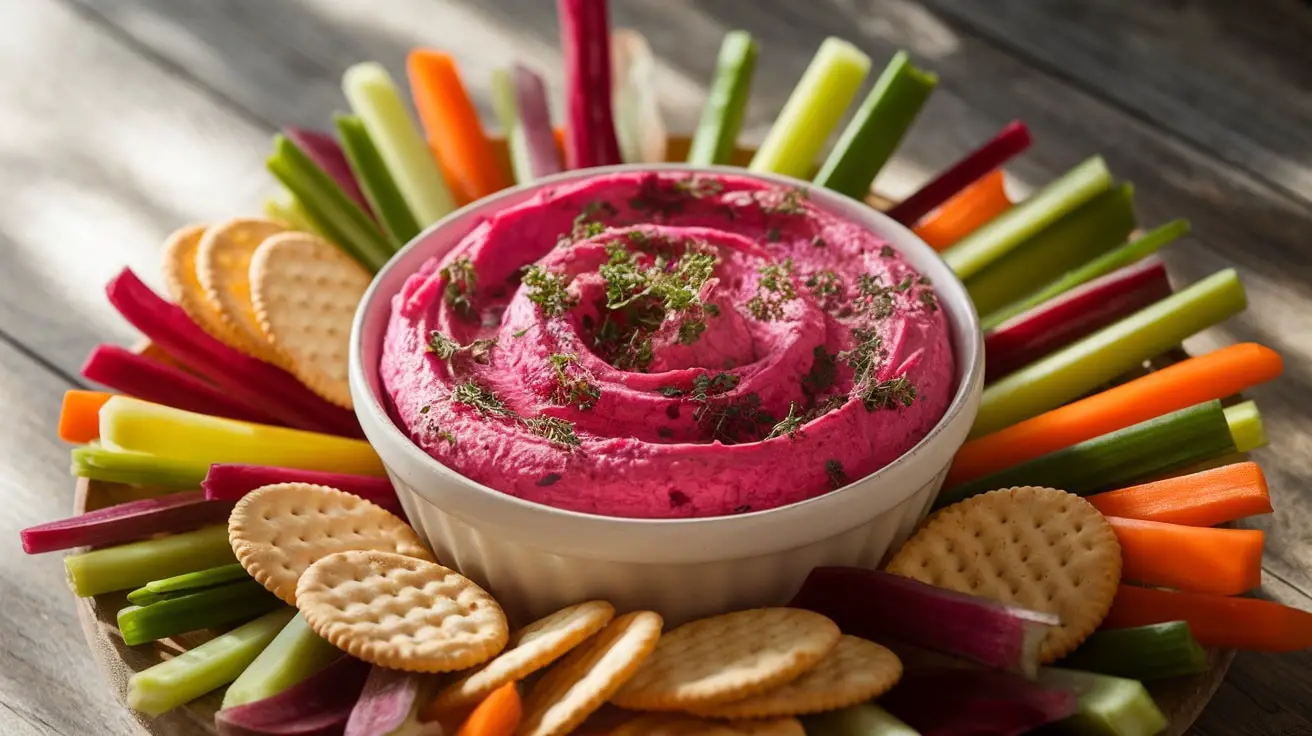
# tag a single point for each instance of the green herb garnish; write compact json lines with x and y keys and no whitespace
{"x":698,"y":186}
{"x":887,"y":394}
{"x":790,"y":425}
{"x":474,"y":394}
{"x":887,"y":251}
{"x":826,"y":286}
{"x":445,"y":348}
{"x":548,"y":291}
{"x":864,"y":356}
{"x":461,"y":284}
{"x":448,"y":437}
{"x":774,"y":289}
{"x":877,"y":297}
{"x":731,"y":421}
{"x":781,"y":200}
{"x":555,"y":430}
{"x":822,"y":374}
{"x":586,"y":225}
{"x":837,"y":477}
{"x":573,"y":390}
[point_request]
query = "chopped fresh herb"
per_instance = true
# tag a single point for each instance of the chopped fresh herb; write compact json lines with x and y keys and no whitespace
{"x":699,"y":186}
{"x":734,"y":420}
{"x":574,"y":387}
{"x":781,"y":200}
{"x":448,"y":437}
{"x":773,"y":290}
{"x":425,"y":409}
{"x":887,"y":251}
{"x":445,"y":348}
{"x":877,"y":297}
{"x":690,"y":331}
{"x":906,"y":283}
{"x":818,"y":242}
{"x":661,"y":196}
{"x":586,"y":225}
{"x":773,"y":234}
{"x":928,"y":299}
{"x":606,"y":209}
{"x":461,"y":284}
{"x":521,"y":333}
{"x":887,"y":394}
{"x":670,"y":392}
{"x":474,"y":394}
{"x":837,"y":477}
{"x":554,"y":429}
{"x":705,"y":385}
{"x":822,"y":374}
{"x":548,"y":291}
{"x":790,"y":425}
{"x":864,"y":356}
{"x":550,"y":479}
{"x":827,"y":288}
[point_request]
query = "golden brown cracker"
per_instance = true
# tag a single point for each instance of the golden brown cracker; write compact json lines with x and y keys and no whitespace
{"x":401,"y":612}
{"x":278,"y":531}
{"x":663,"y":724}
{"x":305,"y":292}
{"x":178,"y":267}
{"x":1041,"y":548}
{"x":223,"y":265}
{"x":729,"y":657}
{"x":589,"y":675}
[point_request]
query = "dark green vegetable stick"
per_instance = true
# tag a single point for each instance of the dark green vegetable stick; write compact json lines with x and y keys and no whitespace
{"x":376,"y":181}
{"x":726,"y":101}
{"x":193,"y":611}
{"x":1141,"y":653}
{"x":178,"y":585}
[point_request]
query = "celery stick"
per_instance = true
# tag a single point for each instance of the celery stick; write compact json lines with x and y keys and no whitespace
{"x":1131,"y":252}
{"x":136,"y":468}
{"x":201,"y":609}
{"x":1092,"y":230}
{"x":1112,"y":351}
{"x":294,"y":655}
{"x":133,"y":565}
{"x":726,"y":101}
{"x":375,"y":180}
{"x":209,"y":666}
{"x":813,"y":109}
{"x":1246,"y":426}
{"x":1007,"y":231}
{"x":866,"y":719}
{"x":197,"y":580}
{"x":1106,"y":706}
{"x":1143,"y":653}
{"x":507,"y":112}
{"x":374,"y":97}
{"x":283,"y":206}
{"x":877,"y":128}
{"x":140,"y":426}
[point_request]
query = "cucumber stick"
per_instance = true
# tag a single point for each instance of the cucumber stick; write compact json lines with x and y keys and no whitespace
{"x":726,"y":101}
{"x":1143,"y":653}
{"x":202,"y":609}
{"x":376,"y":181}
{"x":133,"y":565}
{"x":866,"y":719}
{"x":1106,"y":706}
{"x":294,"y":655}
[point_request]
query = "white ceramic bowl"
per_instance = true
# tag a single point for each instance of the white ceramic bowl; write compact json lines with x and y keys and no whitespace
{"x":536,"y":559}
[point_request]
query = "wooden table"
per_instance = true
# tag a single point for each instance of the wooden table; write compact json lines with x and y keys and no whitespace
{"x":123,"y":119}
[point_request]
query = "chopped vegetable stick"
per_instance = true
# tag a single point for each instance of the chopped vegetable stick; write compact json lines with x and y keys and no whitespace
{"x":388,"y":204}
{"x":639,"y":125}
{"x":126,"y":522}
{"x":1215,"y":375}
{"x":1100,"y":357}
{"x":389,"y":703}
{"x":1208,"y":498}
{"x":877,"y":127}
{"x":1020,"y":223}
{"x":316,"y":706}
{"x":1189,"y":558}
{"x":375,"y":99}
{"x":826,"y":88}
{"x":293,"y":656}
{"x":138,"y":376}
{"x":1091,"y":230}
{"x":1105,"y":705}
{"x":201,"y":609}
{"x":207,"y":667}
{"x":541,"y":152}
{"x":507,"y":112}
{"x":1139,"y":248}
{"x":452,"y":124}
{"x":232,"y":481}
{"x":954,"y":700}
{"x":965,"y":213}
{"x":133,"y":565}
{"x":866,"y":719}
{"x":79,"y":415}
{"x":497,"y":715}
{"x":726,"y":101}
{"x":1215,"y":620}
{"x":328,"y":155}
{"x":1247,"y":427}
{"x":140,"y":426}
{"x":136,"y":468}
{"x":977,"y":164}
{"x":284,"y":207}
{"x":1144,"y":653}
{"x":585,"y":42}
{"x":197,"y":580}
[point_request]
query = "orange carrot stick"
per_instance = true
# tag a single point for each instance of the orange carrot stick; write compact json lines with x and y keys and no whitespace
{"x":497,"y":715}
{"x":1216,"y":375}
{"x":451,"y":122}
{"x":79,"y":417}
{"x":1215,"y":620}
{"x":1190,"y":558}
{"x":1208,"y":498}
{"x":967,"y":210}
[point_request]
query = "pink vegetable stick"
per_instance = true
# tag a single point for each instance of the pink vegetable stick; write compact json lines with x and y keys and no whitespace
{"x":535,"y":122}
{"x":229,"y":482}
{"x":1010,"y":141}
{"x":388,"y":701}
{"x":590,"y":138}
{"x":316,"y":706}
{"x":127,"y":522}
{"x":954,"y":702}
{"x":327,"y":154}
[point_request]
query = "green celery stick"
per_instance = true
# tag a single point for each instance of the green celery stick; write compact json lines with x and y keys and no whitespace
{"x":136,"y":468}
{"x":813,"y":110}
{"x":726,"y":101}
{"x":1092,"y":230}
{"x":295,"y":654}
{"x":209,"y":666}
{"x":866,"y":719}
{"x":201,"y":609}
{"x":1246,"y":426}
{"x":375,"y":99}
{"x":1135,"y":250}
{"x":1110,"y":352}
{"x":1105,"y":706}
{"x":1144,"y":653}
{"x":1008,"y":230}
{"x":328,"y":207}
{"x":877,"y":128}
{"x":507,"y":112}
{"x":133,"y":565}
{"x":376,"y":181}
{"x":283,"y":206}
{"x":178,"y":585}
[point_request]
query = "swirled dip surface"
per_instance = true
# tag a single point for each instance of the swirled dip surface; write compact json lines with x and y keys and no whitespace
{"x":662,"y":345}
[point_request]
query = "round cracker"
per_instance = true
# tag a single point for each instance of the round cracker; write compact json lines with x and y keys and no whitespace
{"x":581,"y":683}
{"x":856,"y":670}
{"x":729,"y":657}
{"x":223,"y":265}
{"x":400,"y":612}
{"x":661,"y":724}
{"x":278,"y":531}
{"x":530,"y":649}
{"x":1040,"y":548}
{"x":305,"y":292}
{"x":178,"y":267}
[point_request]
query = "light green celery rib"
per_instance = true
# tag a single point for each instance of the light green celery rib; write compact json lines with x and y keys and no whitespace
{"x":1110,"y":352}
{"x":374,"y":97}
{"x":1007,"y":231}
{"x":376,"y":180}
{"x":1105,"y":706}
{"x":1090,"y":231}
{"x":813,"y":110}
{"x":877,"y":128}
{"x":209,"y":666}
{"x":294,"y":655}
{"x":866,"y":719}
{"x":137,"y":563}
{"x":1131,"y":252}
{"x":507,"y":112}
{"x":195,"y":610}
{"x":1246,"y":426}
{"x":284,"y":207}
{"x":159,"y":590}
{"x":136,"y":468}
{"x":726,"y":101}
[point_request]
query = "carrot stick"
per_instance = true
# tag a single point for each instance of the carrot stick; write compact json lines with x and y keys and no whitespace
{"x":79,"y":416}
{"x":1189,"y":558}
{"x":1215,"y":375}
{"x":451,"y":123}
{"x":1208,"y":498}
{"x":498,"y":715}
{"x":1215,"y":620}
{"x":959,"y":216}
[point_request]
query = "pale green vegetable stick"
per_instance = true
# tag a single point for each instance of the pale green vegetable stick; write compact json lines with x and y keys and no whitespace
{"x":284,"y":207}
{"x":813,"y":110}
{"x":133,"y":565}
{"x":295,"y":654}
{"x":375,"y":99}
{"x":1246,"y":426}
{"x":507,"y":112}
{"x":726,"y":101}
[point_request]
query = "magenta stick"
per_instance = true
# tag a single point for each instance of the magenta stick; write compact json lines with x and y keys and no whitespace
{"x":127,"y":522}
{"x":229,"y":482}
{"x":535,"y":122}
{"x":386,"y":703}
{"x":317,"y":706}
{"x":1010,"y":141}
{"x":327,"y":154}
{"x":590,"y":138}
{"x":950,"y":702}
